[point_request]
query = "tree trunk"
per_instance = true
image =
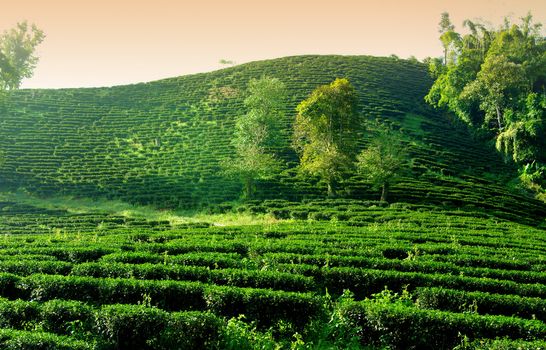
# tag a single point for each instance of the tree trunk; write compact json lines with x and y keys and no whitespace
{"x":499,"y":117}
{"x":384,"y":192}
{"x":248,"y":188}
{"x":331,"y":191}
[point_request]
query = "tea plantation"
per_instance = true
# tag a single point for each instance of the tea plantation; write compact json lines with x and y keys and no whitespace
{"x":457,"y":259}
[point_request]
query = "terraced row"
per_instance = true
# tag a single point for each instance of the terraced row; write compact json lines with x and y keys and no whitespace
{"x":481,"y":277}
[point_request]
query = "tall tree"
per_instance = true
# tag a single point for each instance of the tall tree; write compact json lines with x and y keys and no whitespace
{"x":17,"y":54}
{"x":257,"y":134}
{"x":325,"y":132}
{"x":383,"y":161}
{"x":449,"y":38}
{"x":497,"y":84}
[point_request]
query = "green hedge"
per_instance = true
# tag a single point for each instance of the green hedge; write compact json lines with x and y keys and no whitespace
{"x":400,"y":326}
{"x":118,"y":326}
{"x":264,"y":306}
{"x":484,"y":303}
{"x":233,"y":277}
{"x":503,"y":344}
{"x":33,"y":340}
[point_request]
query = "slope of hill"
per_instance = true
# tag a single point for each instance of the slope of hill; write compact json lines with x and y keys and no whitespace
{"x":161,"y":142}
{"x":449,"y":267}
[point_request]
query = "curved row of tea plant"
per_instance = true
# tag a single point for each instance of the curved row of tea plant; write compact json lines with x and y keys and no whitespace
{"x":458,"y":272}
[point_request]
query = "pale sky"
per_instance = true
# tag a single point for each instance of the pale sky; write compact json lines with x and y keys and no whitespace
{"x":114,"y":42}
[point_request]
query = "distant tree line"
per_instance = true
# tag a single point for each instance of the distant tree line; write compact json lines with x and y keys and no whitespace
{"x":494,"y":80}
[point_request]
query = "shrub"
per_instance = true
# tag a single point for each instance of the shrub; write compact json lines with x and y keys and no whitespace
{"x":264,"y":306}
{"x":63,"y":316}
{"x":401,"y":326}
{"x":32,"y":340}
{"x":17,"y":314}
{"x":484,"y":303}
{"x":502,"y":344}
{"x":190,"y":330}
{"x":299,"y":214}
{"x":130,"y":326}
{"x":8,"y":285}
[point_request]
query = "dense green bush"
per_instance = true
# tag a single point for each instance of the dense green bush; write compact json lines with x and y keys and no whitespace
{"x":502,"y":344}
{"x":65,"y":316}
{"x":18,"y":314}
{"x":130,"y":326}
{"x":483,"y":303}
{"x":264,"y":306}
{"x":191,"y":330}
{"x":32,"y":340}
{"x":400,"y":326}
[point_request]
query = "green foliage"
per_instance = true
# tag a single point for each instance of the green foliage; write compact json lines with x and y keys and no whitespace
{"x":468,"y":273}
{"x":500,"y":344}
{"x":245,"y":336}
{"x":495,"y":82}
{"x":395,"y":324}
{"x":325,"y":132}
{"x":32,"y":340}
{"x":191,"y":330}
{"x":383,"y":161}
{"x":17,"y":59}
{"x":257,"y":133}
{"x":485,"y":303}
{"x":339,"y":332}
{"x":129,"y":326}
{"x":65,"y":317}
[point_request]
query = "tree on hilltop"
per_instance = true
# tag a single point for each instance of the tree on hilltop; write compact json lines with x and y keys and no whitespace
{"x":257,"y":134}
{"x":325,"y":132}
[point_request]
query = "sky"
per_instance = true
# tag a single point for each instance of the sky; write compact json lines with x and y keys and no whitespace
{"x":116,"y":42}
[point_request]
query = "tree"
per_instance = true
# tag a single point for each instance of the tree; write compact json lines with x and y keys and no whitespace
{"x":383,"y":161}
{"x":17,"y":58}
{"x":496,"y":84}
{"x":325,"y":132}
{"x":257,"y":134}
{"x":449,"y":38}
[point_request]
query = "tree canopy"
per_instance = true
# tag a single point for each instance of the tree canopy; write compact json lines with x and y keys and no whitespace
{"x":496,"y":84}
{"x":257,"y":134}
{"x":325,"y":132}
{"x":384,"y":160}
{"x":17,"y":54}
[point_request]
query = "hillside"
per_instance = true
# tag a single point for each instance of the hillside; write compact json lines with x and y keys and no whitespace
{"x":161,"y":142}
{"x":456,"y":260}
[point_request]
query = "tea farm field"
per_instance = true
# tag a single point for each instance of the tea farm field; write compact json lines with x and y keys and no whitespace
{"x":399,"y":276}
{"x":119,"y":230}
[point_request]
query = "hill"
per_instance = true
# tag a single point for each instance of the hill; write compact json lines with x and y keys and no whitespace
{"x":457,"y":260}
{"x":161,"y":142}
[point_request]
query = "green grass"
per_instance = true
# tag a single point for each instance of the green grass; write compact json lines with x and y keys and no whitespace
{"x":119,"y":208}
